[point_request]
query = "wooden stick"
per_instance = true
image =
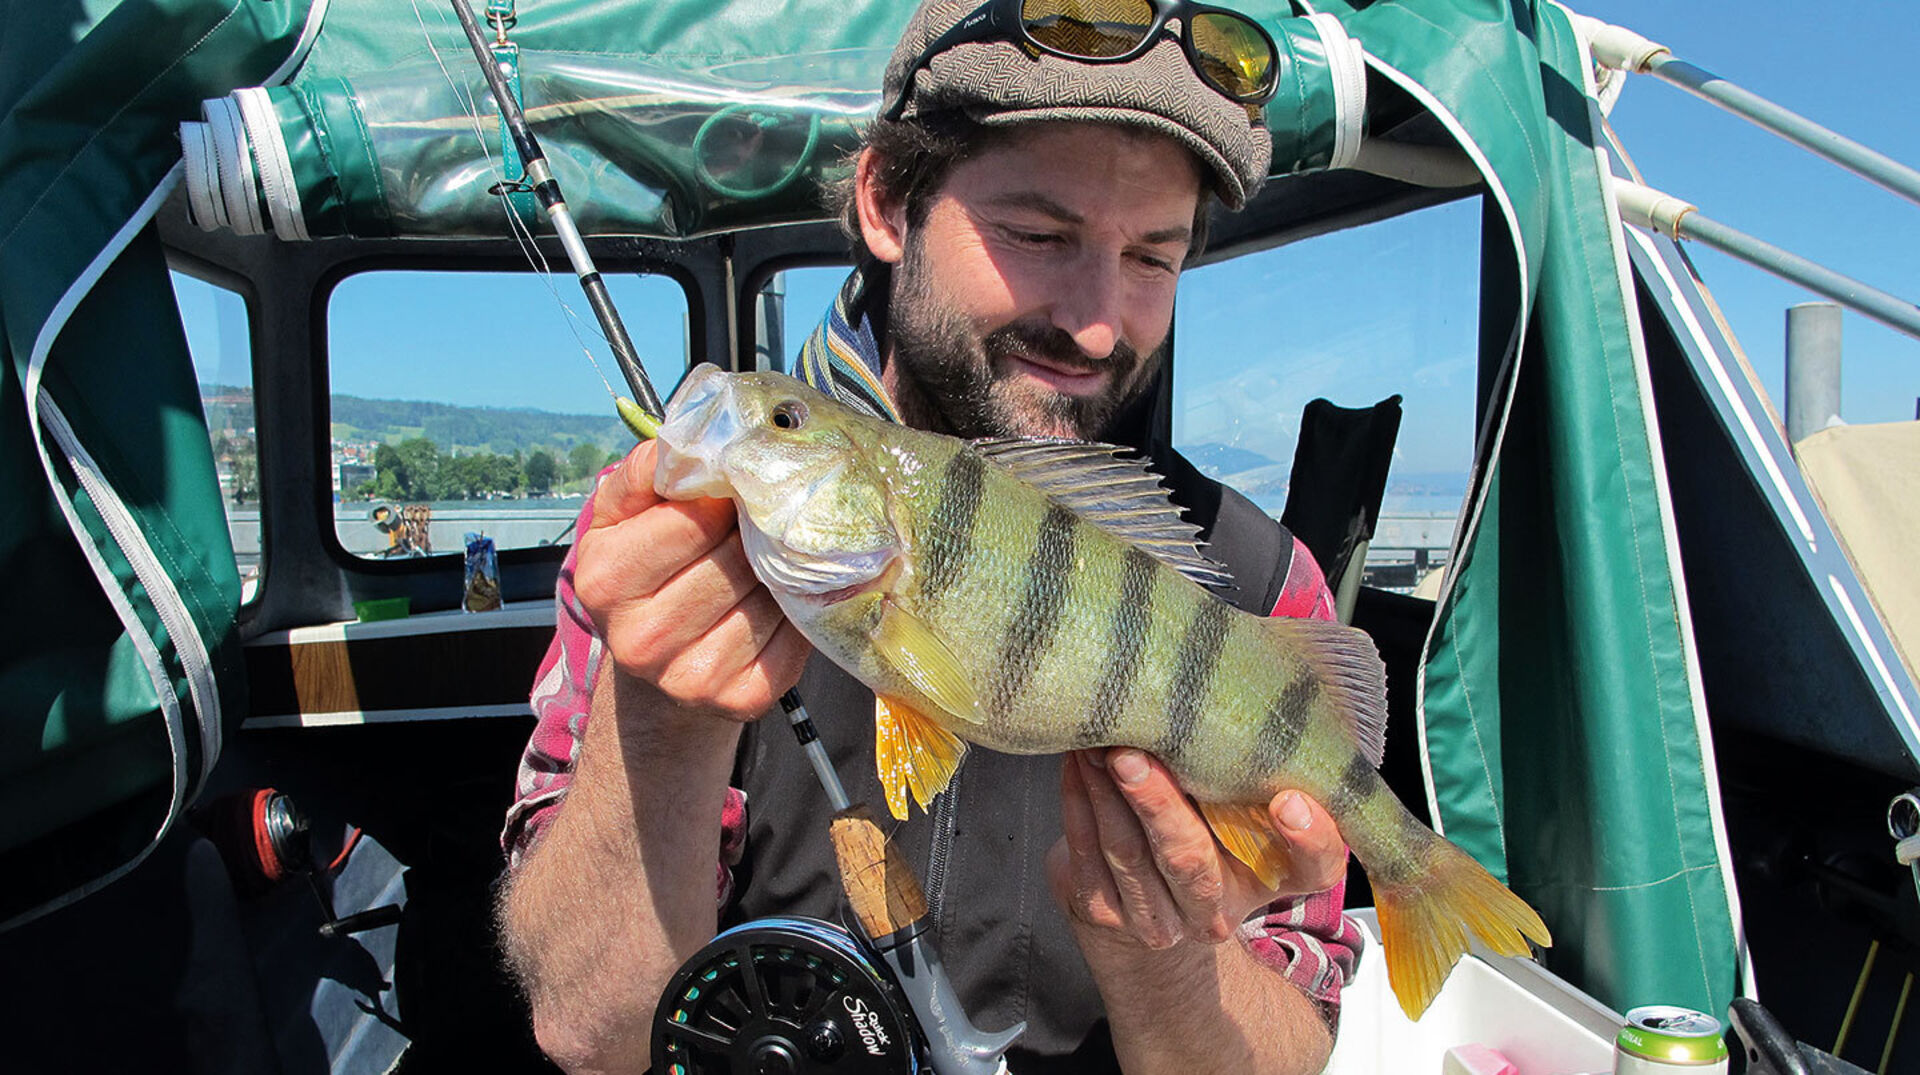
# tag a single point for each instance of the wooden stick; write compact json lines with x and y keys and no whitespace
{"x":882,"y":888}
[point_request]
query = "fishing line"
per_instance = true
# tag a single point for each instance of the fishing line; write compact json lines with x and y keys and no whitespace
{"x":898,"y":931}
{"x":523,"y":236}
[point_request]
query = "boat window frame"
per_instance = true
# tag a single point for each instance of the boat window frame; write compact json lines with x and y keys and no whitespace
{"x":363,"y":577}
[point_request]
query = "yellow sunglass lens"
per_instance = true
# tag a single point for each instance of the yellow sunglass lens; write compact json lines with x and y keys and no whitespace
{"x":1233,"y":54}
{"x":1095,"y":29}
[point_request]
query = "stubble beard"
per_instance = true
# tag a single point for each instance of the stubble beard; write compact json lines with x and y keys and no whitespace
{"x":949,"y":381}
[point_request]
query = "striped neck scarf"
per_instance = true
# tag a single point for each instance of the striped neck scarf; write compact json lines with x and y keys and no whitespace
{"x":842,"y":357}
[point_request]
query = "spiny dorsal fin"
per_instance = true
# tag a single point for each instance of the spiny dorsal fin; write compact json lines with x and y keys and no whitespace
{"x":1121,"y":496}
{"x":1350,"y":675}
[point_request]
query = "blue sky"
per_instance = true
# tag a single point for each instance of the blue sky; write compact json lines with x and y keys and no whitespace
{"x":1848,"y":66}
{"x":1296,"y":316}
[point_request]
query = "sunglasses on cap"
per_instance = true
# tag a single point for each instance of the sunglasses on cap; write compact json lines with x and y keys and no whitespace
{"x":1229,"y":51}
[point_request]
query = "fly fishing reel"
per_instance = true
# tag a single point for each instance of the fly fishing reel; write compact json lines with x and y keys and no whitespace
{"x":784,"y":996}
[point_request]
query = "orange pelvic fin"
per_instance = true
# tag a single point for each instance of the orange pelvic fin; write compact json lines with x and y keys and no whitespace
{"x":913,"y":754}
{"x":1247,"y":832}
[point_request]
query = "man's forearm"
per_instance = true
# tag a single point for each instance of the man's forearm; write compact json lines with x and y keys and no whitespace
{"x":1199,"y":1007}
{"x":620,"y":889}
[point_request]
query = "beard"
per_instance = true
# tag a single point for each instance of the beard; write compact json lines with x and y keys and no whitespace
{"x":951,"y":381}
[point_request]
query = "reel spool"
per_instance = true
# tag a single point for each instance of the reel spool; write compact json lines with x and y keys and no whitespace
{"x":784,"y":996}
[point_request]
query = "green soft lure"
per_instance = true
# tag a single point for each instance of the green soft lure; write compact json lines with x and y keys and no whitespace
{"x":642,"y":424}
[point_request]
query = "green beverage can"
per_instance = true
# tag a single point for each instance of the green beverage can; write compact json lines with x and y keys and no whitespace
{"x":1660,"y":1039}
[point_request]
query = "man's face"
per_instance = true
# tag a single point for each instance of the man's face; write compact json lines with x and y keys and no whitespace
{"x":1036,"y":298}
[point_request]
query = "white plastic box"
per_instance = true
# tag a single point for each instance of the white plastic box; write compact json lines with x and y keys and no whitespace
{"x":1514,"y":1006}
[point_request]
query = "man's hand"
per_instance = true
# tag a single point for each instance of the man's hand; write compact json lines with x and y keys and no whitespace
{"x":668,"y":587}
{"x":1138,"y":866}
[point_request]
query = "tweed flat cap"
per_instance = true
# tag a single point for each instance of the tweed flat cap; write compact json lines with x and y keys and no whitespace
{"x":999,"y":84}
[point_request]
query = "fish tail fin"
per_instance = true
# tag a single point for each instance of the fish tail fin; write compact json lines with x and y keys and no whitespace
{"x":1247,"y":832}
{"x":1424,"y":925}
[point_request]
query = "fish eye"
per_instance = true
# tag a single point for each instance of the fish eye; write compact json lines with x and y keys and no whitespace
{"x":791,"y":414}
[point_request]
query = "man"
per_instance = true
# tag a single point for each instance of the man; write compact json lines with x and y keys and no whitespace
{"x":1021,"y":220}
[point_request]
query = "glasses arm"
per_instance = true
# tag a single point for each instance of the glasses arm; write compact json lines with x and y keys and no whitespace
{"x":987,"y":21}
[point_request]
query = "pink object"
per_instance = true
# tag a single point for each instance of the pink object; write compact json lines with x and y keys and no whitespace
{"x":1476,"y":1060}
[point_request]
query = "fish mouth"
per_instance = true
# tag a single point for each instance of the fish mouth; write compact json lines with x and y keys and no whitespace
{"x":701,"y":421}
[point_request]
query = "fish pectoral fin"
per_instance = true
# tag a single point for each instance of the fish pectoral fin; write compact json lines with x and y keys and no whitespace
{"x":912,"y":754}
{"x":1247,"y":832}
{"x":912,"y":649}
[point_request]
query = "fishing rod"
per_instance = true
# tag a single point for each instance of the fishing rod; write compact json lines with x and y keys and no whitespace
{"x":539,"y":177}
{"x":885,"y":896}
{"x":643,"y":418}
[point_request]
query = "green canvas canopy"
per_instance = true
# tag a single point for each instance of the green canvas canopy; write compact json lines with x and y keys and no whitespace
{"x":1562,"y":713}
{"x":120,"y":664}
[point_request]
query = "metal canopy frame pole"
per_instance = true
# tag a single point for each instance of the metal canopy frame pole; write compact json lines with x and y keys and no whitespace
{"x":1887,"y":309}
{"x":1795,"y":128}
{"x":1648,"y":208}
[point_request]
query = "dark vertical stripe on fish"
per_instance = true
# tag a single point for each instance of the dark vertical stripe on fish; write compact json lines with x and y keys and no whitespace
{"x":951,"y":539}
{"x":1286,"y":719}
{"x":1357,"y":781}
{"x":1037,"y":619}
{"x":1193,"y":674}
{"x":1126,"y":641}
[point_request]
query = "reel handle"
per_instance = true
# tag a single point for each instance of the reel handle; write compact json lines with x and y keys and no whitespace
{"x":892,"y":910}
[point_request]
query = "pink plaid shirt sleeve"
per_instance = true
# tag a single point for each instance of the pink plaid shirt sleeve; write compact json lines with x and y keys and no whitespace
{"x":1307,"y":939}
{"x":562,"y":699}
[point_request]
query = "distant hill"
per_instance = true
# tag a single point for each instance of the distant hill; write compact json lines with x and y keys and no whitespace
{"x":500,"y":430}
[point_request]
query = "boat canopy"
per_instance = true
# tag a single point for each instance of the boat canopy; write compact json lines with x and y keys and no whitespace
{"x":1563,"y":709}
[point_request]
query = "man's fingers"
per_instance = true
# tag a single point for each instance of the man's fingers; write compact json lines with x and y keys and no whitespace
{"x":693,"y":603}
{"x":619,"y":563}
{"x":732,"y":644}
{"x":1155,"y":917}
{"x":772,"y":674}
{"x":1183,"y":844}
{"x":1089,"y":881}
{"x":1317,"y":854}
{"x":627,"y":490}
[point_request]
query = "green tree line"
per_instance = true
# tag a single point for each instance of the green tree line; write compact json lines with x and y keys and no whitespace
{"x":416,"y":469}
{"x":494,"y":429}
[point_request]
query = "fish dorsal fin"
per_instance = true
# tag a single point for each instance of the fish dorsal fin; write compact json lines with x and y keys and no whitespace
{"x":912,"y":753}
{"x":1120,"y":496}
{"x":1346,"y":671}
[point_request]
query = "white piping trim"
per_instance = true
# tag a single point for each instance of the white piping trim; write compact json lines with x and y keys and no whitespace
{"x":351,"y":717}
{"x":1347,"y":66}
{"x":1516,"y":349}
{"x":136,"y":631}
{"x":1873,"y":651}
{"x":1472,"y":149}
{"x":1670,"y":531}
{"x":235,"y":165}
{"x":1711,"y":355}
{"x":162,"y":593}
{"x":1467,"y":525}
{"x":309,"y":33}
{"x":270,"y":156}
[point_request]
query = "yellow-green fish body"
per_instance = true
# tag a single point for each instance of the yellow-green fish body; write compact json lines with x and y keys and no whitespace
{"x":1038,"y":597}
